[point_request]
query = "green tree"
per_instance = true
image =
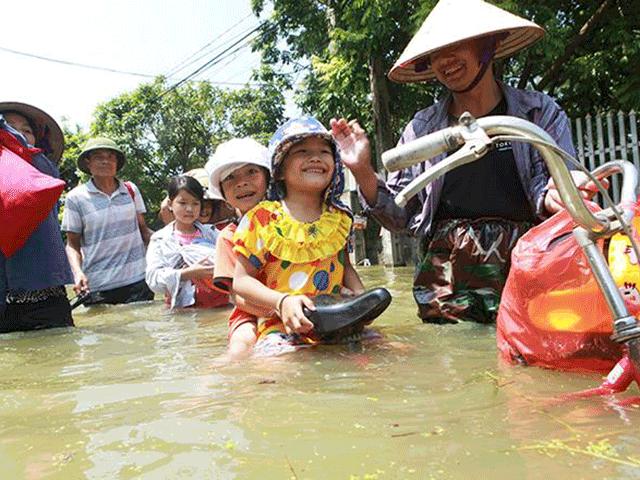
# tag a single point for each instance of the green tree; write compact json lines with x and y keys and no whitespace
{"x":74,"y":139}
{"x":589,"y":58}
{"x":167,"y":131}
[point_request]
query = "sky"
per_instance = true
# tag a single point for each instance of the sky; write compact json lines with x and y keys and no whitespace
{"x":150,"y":37}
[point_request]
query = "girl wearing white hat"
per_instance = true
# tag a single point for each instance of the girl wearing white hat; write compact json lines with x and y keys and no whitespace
{"x":469,"y":220}
{"x":239,"y":173}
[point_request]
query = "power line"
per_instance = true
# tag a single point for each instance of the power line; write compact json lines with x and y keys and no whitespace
{"x":219,"y":66}
{"x":237,"y":74}
{"x":75,"y":64}
{"x":216,"y":59}
{"x":107,"y":69}
{"x":210,"y":51}
{"x":176,"y":68}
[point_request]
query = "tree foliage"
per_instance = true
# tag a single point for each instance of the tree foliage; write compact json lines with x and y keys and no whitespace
{"x":74,"y":139}
{"x":588,"y":57}
{"x":165,"y":132}
{"x":328,"y":44}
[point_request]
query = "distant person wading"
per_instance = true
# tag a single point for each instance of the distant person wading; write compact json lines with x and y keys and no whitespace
{"x":106,"y":230}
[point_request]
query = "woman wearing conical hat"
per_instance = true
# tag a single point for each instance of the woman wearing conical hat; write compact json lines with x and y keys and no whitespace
{"x":468,"y":220}
{"x":33,"y":277}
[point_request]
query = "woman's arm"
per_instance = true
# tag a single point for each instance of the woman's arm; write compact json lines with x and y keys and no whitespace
{"x":288,"y":307}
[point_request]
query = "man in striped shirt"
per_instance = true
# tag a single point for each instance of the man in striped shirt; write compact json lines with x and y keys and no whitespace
{"x":106,"y":230}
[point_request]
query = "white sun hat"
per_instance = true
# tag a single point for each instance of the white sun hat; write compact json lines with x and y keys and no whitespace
{"x":454,"y":21}
{"x":201,"y":175}
{"x":232,"y":155}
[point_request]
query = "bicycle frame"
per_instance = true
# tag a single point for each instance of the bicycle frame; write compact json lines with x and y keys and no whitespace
{"x":474,"y":138}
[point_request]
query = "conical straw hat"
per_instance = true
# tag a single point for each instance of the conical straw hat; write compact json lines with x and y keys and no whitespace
{"x":48,"y":133}
{"x":455,"y":21}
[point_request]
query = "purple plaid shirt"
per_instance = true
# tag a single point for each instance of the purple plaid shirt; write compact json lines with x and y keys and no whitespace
{"x":417,"y":217}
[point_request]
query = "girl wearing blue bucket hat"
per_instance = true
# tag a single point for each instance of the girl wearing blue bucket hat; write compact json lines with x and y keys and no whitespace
{"x":293,"y":246}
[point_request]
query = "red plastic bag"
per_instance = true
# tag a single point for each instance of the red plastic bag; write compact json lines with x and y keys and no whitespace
{"x":26,"y":194}
{"x":552,"y":313}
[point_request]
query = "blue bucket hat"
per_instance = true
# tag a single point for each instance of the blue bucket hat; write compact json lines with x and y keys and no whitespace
{"x":292,"y":132}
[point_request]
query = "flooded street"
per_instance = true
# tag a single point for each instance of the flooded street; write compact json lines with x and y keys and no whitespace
{"x":134,"y":392}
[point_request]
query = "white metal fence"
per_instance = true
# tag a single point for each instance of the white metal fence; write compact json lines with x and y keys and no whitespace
{"x":604,"y":137}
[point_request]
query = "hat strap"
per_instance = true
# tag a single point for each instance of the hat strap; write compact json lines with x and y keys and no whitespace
{"x":485,"y":60}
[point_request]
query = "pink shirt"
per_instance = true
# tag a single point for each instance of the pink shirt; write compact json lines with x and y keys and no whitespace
{"x":186,"y":238}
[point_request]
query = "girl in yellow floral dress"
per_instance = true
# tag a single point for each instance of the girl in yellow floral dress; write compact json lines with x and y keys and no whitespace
{"x":294,"y":246}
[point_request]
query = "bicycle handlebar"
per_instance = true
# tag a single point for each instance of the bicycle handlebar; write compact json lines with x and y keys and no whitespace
{"x":434,"y":144}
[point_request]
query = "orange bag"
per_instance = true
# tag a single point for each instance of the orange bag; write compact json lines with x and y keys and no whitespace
{"x":552,"y":312}
{"x":26,"y":194}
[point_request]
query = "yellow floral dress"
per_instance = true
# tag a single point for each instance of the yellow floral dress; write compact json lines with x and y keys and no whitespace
{"x":291,"y":256}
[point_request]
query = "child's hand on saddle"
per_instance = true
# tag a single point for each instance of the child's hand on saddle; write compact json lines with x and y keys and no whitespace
{"x":289,"y":309}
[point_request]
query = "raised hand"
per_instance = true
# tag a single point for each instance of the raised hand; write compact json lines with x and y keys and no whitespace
{"x":356,"y":155}
{"x":354,"y":144}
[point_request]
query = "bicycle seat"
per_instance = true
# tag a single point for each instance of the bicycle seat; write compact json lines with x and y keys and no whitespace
{"x":336,"y":317}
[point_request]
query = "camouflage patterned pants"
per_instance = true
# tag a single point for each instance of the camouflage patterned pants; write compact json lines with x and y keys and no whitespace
{"x":463,"y":268}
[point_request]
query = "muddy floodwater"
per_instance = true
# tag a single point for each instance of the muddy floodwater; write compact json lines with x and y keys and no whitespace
{"x":136,"y":393}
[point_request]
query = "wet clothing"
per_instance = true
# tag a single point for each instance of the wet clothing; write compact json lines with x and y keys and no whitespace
{"x":463,"y":268}
{"x":113,"y":253}
{"x":291,"y":256}
{"x":50,"y":312}
{"x":167,"y":256}
{"x":239,"y":317}
{"x":136,"y":292}
{"x":40,"y":265}
{"x":470,"y":219}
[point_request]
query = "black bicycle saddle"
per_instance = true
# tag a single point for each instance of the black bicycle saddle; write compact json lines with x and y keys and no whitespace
{"x":336,"y":317}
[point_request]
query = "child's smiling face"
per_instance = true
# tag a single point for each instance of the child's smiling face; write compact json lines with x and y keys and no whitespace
{"x":245,"y":187}
{"x":309,"y":165}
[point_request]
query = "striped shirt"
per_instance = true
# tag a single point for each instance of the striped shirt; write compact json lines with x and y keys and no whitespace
{"x":113,"y":253}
